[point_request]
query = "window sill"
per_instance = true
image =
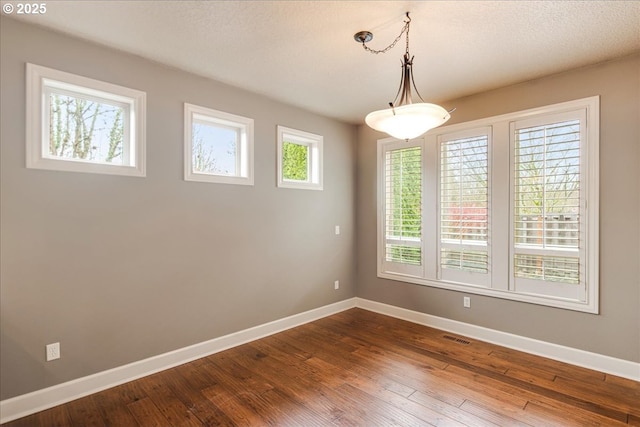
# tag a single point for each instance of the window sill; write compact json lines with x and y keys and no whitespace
{"x":300,"y":185}
{"x":71,"y":165}
{"x":586,"y":307}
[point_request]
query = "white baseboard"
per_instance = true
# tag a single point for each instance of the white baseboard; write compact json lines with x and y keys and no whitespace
{"x":30,"y":403}
{"x":595,"y":361}
{"x":26,"y":404}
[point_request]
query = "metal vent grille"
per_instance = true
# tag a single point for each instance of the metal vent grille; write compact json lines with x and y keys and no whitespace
{"x":456,"y":339}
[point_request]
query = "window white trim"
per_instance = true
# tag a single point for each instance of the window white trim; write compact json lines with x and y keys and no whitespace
{"x":314,"y":160}
{"x":220,"y":119}
{"x":501,"y":175}
{"x":535,"y":286}
{"x":384,"y":264}
{"x":463,"y":276}
{"x":42,"y":81}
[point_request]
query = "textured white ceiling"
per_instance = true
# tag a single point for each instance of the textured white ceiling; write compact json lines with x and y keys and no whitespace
{"x":303,"y":52}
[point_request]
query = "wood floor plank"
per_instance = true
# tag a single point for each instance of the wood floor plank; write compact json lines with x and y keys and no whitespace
{"x":314,"y":391}
{"x":551,"y":366}
{"x":227,"y":399}
{"x":376,"y":412}
{"x":472,"y":365}
{"x":111,"y":409}
{"x":628,"y":401}
{"x":525,"y":390}
{"x":85,"y":411}
{"x":472,"y":362}
{"x":383,"y":380}
{"x":451,"y":411}
{"x":187,"y":384}
{"x":435,"y":382}
{"x":560,"y":414}
{"x":402,"y":353}
{"x":230,"y":377}
{"x":623,"y":383}
{"x":295,"y":377}
{"x":147,"y":413}
{"x":531,"y":375}
{"x":425,"y":413}
{"x":431,"y":340}
{"x":56,"y":417}
{"x":334,"y":355}
{"x":413,"y":377}
{"x":171,"y":407}
{"x":496,"y":413}
{"x":267,"y":400}
{"x":397,"y":379}
{"x":359,"y":368}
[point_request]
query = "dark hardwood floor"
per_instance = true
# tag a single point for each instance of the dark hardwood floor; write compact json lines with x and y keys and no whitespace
{"x":359,"y":368}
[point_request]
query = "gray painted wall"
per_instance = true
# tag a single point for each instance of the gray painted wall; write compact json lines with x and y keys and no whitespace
{"x":616,"y":331}
{"x":118,"y":269}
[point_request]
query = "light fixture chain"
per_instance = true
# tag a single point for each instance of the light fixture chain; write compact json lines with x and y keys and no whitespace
{"x":407,"y":27}
{"x":405,"y":119}
{"x":392,"y":45}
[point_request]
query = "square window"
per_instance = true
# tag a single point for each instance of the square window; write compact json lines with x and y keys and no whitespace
{"x":218,"y":146}
{"x":83,"y":125}
{"x":299,"y":159}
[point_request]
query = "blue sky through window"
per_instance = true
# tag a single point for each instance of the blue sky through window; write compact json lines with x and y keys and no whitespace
{"x":215,"y":149}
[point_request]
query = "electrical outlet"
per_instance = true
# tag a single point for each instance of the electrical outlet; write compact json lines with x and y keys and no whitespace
{"x":53,"y":351}
{"x":466,"y":301}
{"x":336,"y":284}
{"x":337,"y":230}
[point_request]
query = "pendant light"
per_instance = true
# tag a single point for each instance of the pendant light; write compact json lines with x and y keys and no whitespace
{"x":404,"y":119}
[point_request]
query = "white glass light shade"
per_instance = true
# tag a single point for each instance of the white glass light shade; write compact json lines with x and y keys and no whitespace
{"x":409,"y":121}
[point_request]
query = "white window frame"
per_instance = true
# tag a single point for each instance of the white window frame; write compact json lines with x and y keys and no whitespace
{"x":396,"y":268}
{"x":42,"y":81}
{"x":314,"y":143}
{"x":533,"y":286}
{"x":474,"y":278}
{"x":244,"y":156}
{"x":501,"y":175}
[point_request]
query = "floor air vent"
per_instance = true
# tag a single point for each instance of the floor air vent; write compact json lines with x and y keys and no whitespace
{"x":456,"y":339}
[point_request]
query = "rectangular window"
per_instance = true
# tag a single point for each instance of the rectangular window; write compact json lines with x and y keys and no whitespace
{"x":299,"y":159}
{"x":402,"y":220}
{"x":548,"y":252}
{"x":83,"y":125}
{"x":464,"y":207}
{"x":218,"y":146}
{"x":505,"y":206}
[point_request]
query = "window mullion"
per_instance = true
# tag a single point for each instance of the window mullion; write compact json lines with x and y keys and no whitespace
{"x":431,"y":207}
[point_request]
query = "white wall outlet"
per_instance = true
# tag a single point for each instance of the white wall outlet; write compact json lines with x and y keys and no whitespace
{"x":336,"y":284}
{"x":53,"y":351}
{"x":466,"y":301}
{"x":337,"y":230}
